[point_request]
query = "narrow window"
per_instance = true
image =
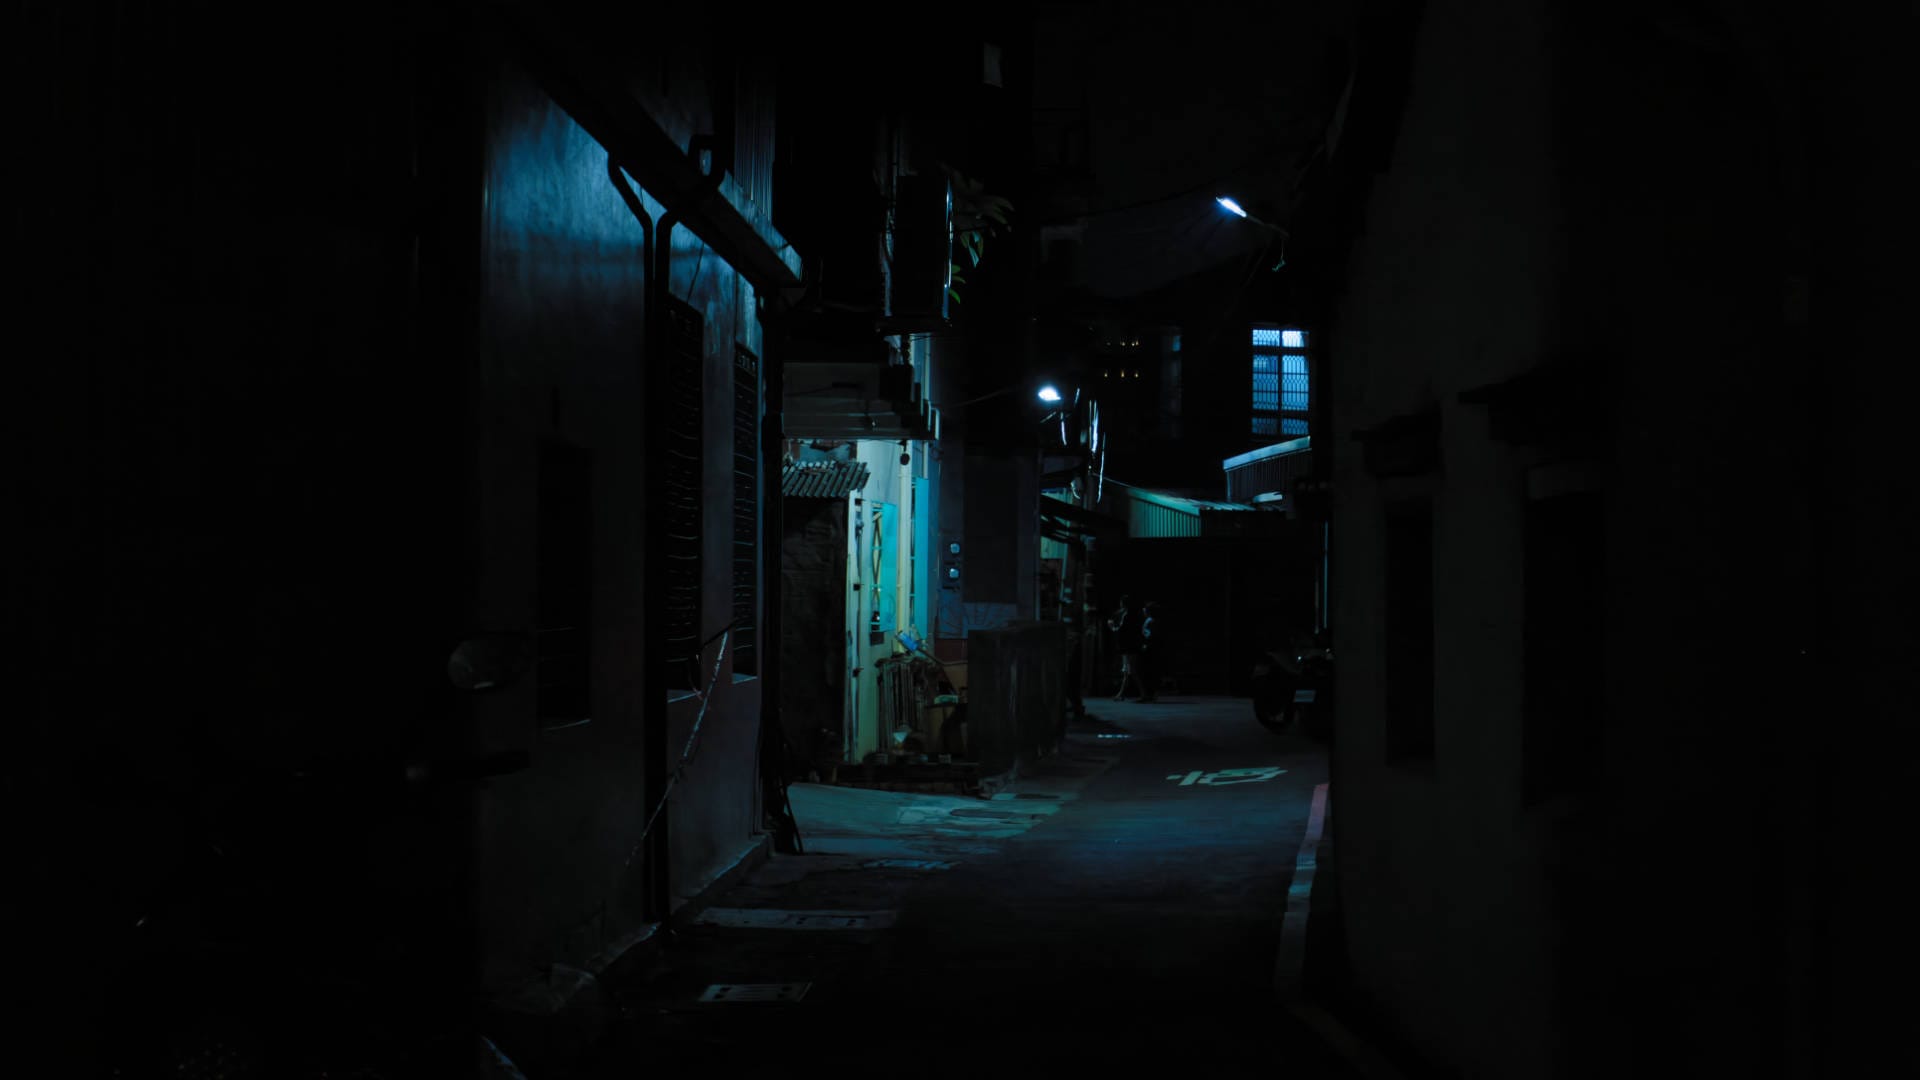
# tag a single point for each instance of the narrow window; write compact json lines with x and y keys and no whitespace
{"x":681,"y":538}
{"x":1409,"y":631}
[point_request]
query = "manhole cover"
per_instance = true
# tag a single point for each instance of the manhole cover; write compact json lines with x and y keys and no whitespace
{"x":746,"y":992}
{"x":907,"y":864}
{"x":776,"y":919}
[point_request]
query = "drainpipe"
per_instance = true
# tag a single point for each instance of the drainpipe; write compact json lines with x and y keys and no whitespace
{"x":655,"y":257}
{"x":655,"y":746}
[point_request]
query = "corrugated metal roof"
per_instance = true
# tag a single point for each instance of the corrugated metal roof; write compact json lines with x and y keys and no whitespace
{"x":1184,"y":504}
{"x":1266,"y":453}
{"x":822,"y":479}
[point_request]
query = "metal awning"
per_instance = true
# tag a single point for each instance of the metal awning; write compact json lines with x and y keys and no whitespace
{"x":822,"y":479}
{"x":1065,"y":521}
{"x":856,"y":401}
{"x":579,"y":73}
{"x":844,"y":379}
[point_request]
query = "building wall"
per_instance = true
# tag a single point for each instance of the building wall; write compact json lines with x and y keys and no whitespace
{"x":1639,"y":922}
{"x":561,"y":338}
{"x":1456,"y":283}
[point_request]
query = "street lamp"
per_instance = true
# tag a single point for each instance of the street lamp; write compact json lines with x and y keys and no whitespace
{"x":1048,"y":394}
{"x":1232,"y":206}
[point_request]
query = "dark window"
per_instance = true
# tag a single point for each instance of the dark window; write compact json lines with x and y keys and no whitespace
{"x":565,"y":543}
{"x":1565,"y":631}
{"x":746,"y":509}
{"x":1409,"y":631}
{"x":683,"y":421}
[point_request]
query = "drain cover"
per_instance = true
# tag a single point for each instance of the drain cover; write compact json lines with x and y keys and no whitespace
{"x":744,"y":992}
{"x":776,"y":919}
{"x":907,"y":864}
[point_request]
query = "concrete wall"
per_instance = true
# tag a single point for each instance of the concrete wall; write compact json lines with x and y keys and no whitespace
{"x":559,"y":880}
{"x":1584,"y":192}
{"x":1457,"y":283}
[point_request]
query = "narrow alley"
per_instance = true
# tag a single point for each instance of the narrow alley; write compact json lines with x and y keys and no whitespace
{"x":1120,"y":903}
{"x":567,"y":540}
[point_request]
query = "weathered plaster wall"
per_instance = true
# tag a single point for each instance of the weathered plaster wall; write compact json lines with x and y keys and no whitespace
{"x":1590,"y":189}
{"x":1456,"y":284}
{"x":562,"y":340}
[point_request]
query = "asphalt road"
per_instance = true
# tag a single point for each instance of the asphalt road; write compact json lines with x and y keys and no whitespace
{"x":1118,"y":910}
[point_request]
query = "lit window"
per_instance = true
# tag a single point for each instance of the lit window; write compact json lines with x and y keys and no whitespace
{"x":1280,"y":382}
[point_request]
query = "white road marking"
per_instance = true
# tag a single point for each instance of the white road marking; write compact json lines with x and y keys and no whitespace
{"x":1226,"y":777}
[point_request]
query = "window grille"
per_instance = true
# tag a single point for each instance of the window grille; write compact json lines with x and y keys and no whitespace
{"x":1281,"y":382}
{"x":683,"y":420}
{"x":746,"y":509}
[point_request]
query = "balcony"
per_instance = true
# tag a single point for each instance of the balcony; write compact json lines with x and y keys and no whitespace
{"x":845,"y":381}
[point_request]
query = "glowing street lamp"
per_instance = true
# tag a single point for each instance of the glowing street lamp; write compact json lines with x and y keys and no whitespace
{"x":1049,"y":394}
{"x":1233,"y":207}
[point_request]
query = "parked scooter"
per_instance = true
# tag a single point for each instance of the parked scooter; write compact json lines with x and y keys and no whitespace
{"x":1293,"y":690}
{"x":1311,"y":709}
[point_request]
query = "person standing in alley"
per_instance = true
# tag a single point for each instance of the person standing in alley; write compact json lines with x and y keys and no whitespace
{"x":1125,"y":625}
{"x":1152,"y":652}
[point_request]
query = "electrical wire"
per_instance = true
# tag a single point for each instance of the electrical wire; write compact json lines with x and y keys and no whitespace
{"x":693,"y":741}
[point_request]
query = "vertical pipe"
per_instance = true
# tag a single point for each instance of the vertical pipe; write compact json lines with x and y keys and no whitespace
{"x":654,"y":257}
{"x":775,"y":757}
{"x":656,"y":745}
